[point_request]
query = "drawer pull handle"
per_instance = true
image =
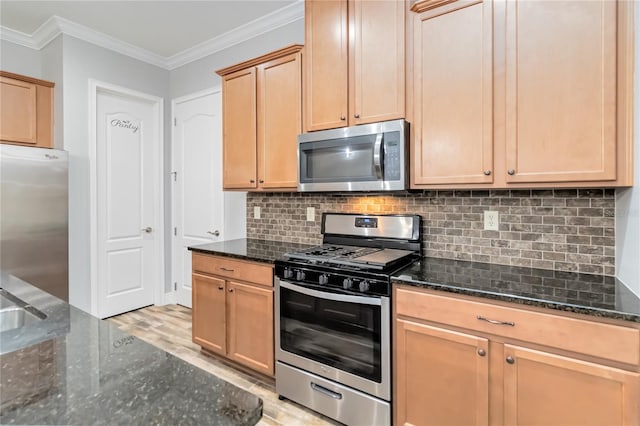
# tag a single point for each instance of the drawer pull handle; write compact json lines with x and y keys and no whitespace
{"x":226,"y":269}
{"x":509,"y":323}
{"x":325,"y":391}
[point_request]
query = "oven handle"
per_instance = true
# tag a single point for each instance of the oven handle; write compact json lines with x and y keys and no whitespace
{"x":332,"y":296}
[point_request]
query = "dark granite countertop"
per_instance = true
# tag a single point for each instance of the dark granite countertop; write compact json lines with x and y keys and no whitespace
{"x":250,"y":249}
{"x":82,"y":370}
{"x":595,"y":295}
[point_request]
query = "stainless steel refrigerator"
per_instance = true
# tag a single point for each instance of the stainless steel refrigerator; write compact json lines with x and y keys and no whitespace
{"x":34,"y":217}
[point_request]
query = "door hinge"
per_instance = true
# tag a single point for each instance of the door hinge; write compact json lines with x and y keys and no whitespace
{"x":175,"y":121}
{"x":175,"y":231}
{"x":175,"y":286}
{"x":175,"y":176}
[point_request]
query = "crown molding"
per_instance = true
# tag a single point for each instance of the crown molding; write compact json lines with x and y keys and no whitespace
{"x":56,"y":25}
{"x":17,"y":37}
{"x":276,"y":19}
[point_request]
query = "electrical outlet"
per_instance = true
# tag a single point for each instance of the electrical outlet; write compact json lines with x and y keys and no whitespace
{"x":491,"y":220}
{"x":256,"y":212}
{"x":311,"y":214}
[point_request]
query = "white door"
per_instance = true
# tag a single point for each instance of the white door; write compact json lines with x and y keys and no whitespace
{"x":198,"y":204}
{"x":128,"y":168}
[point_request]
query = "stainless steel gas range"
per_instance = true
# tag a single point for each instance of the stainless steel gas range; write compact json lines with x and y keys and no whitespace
{"x":333,"y":316}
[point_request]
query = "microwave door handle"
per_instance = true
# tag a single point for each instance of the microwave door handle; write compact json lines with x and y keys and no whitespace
{"x":377,"y":156}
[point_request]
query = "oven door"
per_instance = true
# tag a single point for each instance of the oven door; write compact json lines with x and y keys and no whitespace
{"x":338,"y":336}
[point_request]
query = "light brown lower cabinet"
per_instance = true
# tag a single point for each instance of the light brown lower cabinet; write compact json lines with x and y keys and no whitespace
{"x":234,"y":318}
{"x":445,"y":375}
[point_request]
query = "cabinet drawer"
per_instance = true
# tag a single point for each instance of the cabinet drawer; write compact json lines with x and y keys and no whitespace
{"x":612,"y":342}
{"x":232,"y":268}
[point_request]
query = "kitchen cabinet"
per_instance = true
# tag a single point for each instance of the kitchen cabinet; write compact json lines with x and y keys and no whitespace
{"x":262,"y":117}
{"x":354,"y":62}
{"x":26,"y":110}
{"x":443,"y":367}
{"x":509,"y":365}
{"x":233,"y":310}
{"x":521,"y":94}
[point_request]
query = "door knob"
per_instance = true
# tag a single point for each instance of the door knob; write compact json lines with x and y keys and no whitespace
{"x":148,"y":229}
{"x":215,"y":233}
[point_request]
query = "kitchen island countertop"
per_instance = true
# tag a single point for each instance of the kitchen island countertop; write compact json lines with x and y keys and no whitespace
{"x":594,"y":295}
{"x":87,"y":371}
{"x":250,"y":249}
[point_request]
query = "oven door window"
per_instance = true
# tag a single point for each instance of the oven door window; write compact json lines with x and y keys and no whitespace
{"x":342,"y":335}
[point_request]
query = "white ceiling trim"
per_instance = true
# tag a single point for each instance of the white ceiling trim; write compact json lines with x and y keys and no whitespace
{"x":56,"y":25}
{"x":273,"y":20}
{"x":17,"y":37}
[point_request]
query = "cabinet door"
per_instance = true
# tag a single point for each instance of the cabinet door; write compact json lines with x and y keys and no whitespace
{"x":251,"y":326}
{"x":545,"y":389}
{"x":18,"y":114}
{"x":442,"y":376}
{"x":453,"y":84}
{"x":326,"y":64}
{"x":279,"y":121}
{"x":560,"y":91}
{"x":209,"y":313}
{"x":239,"y":130}
{"x":376,"y":60}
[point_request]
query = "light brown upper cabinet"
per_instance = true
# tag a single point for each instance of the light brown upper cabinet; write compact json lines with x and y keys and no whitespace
{"x":26,"y":110}
{"x":453,"y":86}
{"x":262,"y":117}
{"x":521,"y":94}
{"x":354,"y":62}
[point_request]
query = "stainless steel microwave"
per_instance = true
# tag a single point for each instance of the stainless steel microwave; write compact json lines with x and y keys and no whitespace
{"x":370,"y":157}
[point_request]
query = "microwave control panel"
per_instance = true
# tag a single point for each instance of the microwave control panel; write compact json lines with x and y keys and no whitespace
{"x":392,"y":156}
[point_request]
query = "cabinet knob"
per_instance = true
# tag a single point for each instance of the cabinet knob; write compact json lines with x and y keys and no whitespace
{"x":356,"y":115}
{"x":482,"y":352}
{"x":487,"y":172}
{"x":510,"y":360}
{"x":252,"y":181}
{"x":220,"y":288}
{"x":261,"y":181}
{"x":342,"y":117}
{"x":511,"y":172}
{"x":230,"y":290}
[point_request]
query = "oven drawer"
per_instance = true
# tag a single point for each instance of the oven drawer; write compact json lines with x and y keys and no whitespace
{"x":233,"y":268}
{"x":608,"y":341}
{"x":332,"y":399}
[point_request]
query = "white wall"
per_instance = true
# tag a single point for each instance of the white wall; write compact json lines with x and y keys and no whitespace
{"x":200,"y":75}
{"x":83,"y":61}
{"x":20,"y":60}
{"x":628,"y":200}
{"x":52,"y":70}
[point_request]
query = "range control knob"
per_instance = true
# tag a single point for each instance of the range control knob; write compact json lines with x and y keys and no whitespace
{"x":347,"y":283}
{"x":300,"y":275}
{"x":288,"y":273}
{"x":323,"y":279}
{"x":364,"y":286}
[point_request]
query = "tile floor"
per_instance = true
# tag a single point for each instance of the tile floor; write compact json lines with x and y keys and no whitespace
{"x":169,"y":327}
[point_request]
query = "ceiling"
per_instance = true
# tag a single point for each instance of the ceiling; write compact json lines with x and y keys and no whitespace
{"x":165,"y":28}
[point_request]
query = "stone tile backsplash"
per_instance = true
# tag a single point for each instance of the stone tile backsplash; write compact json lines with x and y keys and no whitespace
{"x":566,"y":230}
